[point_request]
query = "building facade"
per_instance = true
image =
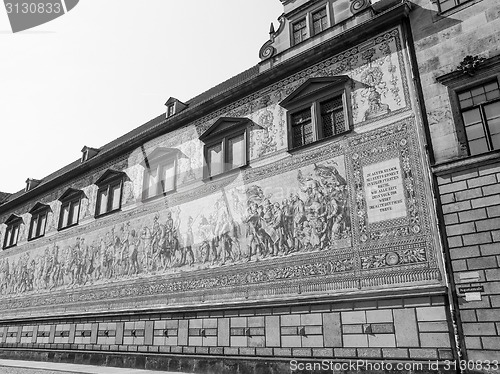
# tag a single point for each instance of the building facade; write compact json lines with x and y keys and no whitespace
{"x":286,"y":213}
{"x":458,"y":53}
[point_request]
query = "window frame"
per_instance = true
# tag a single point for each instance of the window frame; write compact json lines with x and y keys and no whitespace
{"x":304,"y":18}
{"x":221,"y":132}
{"x":457,"y":82}
{"x":480,"y":107}
{"x":70,"y":197}
{"x":38,"y":212}
{"x":308,"y":18}
{"x":326,"y":8}
{"x":13,"y":223}
{"x":330,"y":90}
{"x":458,"y":3}
{"x":107,"y":181}
{"x":158,"y":160}
{"x":170,"y":110}
{"x":224,"y":141}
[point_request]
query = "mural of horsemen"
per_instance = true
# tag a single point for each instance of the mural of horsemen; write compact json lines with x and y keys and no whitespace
{"x":240,"y":224}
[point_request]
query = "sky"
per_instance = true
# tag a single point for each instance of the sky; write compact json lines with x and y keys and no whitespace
{"x":108,"y":66}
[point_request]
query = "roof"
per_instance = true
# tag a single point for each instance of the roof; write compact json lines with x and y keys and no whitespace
{"x":246,"y":80}
{"x":235,"y":81}
{"x":4,"y":196}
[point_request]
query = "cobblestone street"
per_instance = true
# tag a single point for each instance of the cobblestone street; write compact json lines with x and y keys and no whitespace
{"x":36,"y":367}
{"x":13,"y":370}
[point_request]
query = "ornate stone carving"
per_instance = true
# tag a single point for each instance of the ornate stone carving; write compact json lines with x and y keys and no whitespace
{"x":470,"y":64}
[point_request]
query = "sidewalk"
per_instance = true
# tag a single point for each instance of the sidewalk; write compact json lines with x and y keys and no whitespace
{"x":32,"y":367}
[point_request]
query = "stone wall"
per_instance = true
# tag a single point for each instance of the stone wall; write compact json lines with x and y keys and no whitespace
{"x":392,"y":329}
{"x":471,"y":207}
{"x":441,"y":43}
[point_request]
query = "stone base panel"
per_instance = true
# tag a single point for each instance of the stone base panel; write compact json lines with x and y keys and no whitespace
{"x":398,"y":329}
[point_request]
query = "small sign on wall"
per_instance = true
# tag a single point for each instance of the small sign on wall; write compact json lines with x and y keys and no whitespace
{"x":467,"y":289}
{"x":472,"y":293}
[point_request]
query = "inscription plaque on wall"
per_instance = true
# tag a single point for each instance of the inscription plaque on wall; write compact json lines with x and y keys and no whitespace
{"x":384,"y":191}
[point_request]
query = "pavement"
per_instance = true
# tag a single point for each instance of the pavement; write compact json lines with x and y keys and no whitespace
{"x":37,"y":367}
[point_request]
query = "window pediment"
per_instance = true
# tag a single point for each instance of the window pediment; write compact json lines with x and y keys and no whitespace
{"x":13,"y":218}
{"x":109,"y":175}
{"x":224,"y":125}
{"x":38,"y":207}
{"x":70,"y":193}
{"x":312,"y":87}
{"x":160,"y":154}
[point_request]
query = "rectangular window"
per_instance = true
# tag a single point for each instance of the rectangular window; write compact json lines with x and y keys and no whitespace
{"x":115,"y":196}
{"x":445,"y":5}
{"x":215,"y":159}
{"x":109,"y":198}
{"x":318,"y":109}
{"x":38,"y":223}
{"x":170,"y":110}
{"x":102,"y":201}
{"x":69,"y":213}
{"x":150,"y":183}
{"x":480,"y":108}
{"x":236,"y":151}
{"x":159,"y":174}
{"x":225,"y":145}
{"x":302,"y":128}
{"x":320,"y":21}
{"x":332,"y":117}
{"x":11,"y":235}
{"x":167,"y":176}
{"x":299,"y":31}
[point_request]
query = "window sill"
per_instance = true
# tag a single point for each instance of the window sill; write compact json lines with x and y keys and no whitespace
{"x":466,"y":162}
{"x":234,"y":171}
{"x":107,"y":213}
{"x":36,"y":237}
{"x":67,"y":227}
{"x":158,"y":197}
{"x":318,"y":142}
{"x":456,"y":8}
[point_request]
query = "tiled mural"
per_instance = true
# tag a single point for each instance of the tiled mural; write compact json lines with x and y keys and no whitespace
{"x":346,"y":215}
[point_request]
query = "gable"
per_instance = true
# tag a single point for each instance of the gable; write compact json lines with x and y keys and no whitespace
{"x":313,"y":86}
{"x":161,"y":153}
{"x":38,"y":207}
{"x":70,"y":193}
{"x":13,"y":219}
{"x":224,"y":124}
{"x":109,"y":175}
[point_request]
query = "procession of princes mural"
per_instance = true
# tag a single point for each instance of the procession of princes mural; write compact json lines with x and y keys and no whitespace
{"x":244,"y":224}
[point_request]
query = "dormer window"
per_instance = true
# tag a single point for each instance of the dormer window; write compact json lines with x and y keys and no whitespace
{"x":12,"y":232}
{"x":32,"y":183}
{"x":317,"y":110}
{"x":160,"y":171}
{"x":109,"y":194}
{"x":38,"y":221}
{"x":174,"y":106}
{"x":226,"y":144}
{"x":170,"y":110}
{"x":70,"y":208}
{"x":88,"y":153}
